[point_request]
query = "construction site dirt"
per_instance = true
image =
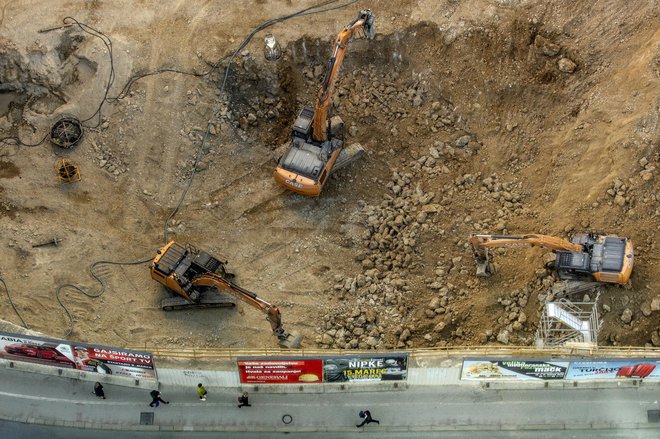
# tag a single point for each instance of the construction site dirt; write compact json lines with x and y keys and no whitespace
{"x":476,"y":116}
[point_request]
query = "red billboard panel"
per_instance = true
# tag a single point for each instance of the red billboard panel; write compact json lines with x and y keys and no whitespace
{"x":281,"y":371}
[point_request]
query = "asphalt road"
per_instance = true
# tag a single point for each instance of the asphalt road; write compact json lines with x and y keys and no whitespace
{"x":12,"y":430}
{"x":417,"y":410}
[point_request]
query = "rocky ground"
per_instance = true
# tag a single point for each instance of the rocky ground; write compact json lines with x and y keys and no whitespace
{"x":477,"y":117}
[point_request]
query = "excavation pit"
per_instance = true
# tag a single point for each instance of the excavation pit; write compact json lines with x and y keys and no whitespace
{"x":469,"y":122}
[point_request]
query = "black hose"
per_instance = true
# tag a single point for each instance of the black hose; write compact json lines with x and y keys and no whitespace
{"x":188,"y":184}
{"x":111,"y":75}
{"x":87,"y":293}
{"x":11,"y":302}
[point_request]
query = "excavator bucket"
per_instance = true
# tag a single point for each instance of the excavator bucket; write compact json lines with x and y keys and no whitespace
{"x":291,"y":341}
{"x":348,"y":155}
{"x":484,"y":267}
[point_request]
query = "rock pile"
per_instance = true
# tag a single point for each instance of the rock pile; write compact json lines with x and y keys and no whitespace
{"x":379,"y":293}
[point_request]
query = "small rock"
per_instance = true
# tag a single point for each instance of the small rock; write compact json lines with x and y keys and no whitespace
{"x":646,"y":309}
{"x":545,"y":46}
{"x":620,"y":200}
{"x":566,"y":65}
{"x":646,"y":175}
{"x":626,"y":316}
{"x":439,"y":327}
{"x":606,"y":308}
{"x":655,"y":304}
{"x":503,"y":337}
{"x":655,"y":338}
{"x":462,"y":141}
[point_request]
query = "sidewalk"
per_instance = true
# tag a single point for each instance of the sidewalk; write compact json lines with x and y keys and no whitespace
{"x":53,"y":400}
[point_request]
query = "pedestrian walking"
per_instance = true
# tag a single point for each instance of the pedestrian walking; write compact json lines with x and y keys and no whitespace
{"x":367,"y":419}
{"x":156,"y":399}
{"x":201,"y":391}
{"x":243,"y":400}
{"x":98,"y":390}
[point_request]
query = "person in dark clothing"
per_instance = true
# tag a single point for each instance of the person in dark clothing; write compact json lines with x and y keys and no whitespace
{"x":366,"y":415}
{"x":98,"y":390}
{"x":243,"y":399}
{"x":156,"y":399}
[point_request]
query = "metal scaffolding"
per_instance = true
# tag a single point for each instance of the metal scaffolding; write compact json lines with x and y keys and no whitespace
{"x":565,"y":322}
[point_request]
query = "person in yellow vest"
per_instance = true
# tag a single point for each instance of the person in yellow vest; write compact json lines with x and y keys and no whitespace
{"x":201,"y":392}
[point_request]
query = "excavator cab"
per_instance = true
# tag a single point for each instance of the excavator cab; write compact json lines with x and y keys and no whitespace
{"x":605,"y":259}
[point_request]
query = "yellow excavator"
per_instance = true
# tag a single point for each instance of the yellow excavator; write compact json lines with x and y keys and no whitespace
{"x":195,"y":277}
{"x":316,"y":146}
{"x":587,"y":257}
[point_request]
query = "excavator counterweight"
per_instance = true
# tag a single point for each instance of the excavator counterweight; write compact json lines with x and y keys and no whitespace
{"x":317,"y":141}
{"x":587,"y":257}
{"x":196,"y":278}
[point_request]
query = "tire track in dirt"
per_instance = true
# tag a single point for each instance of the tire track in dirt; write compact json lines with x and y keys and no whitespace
{"x":165,"y":94}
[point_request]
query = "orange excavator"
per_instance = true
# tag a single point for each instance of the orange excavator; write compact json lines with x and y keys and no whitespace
{"x":587,"y":257}
{"x":195,"y":277}
{"x":316,"y":145}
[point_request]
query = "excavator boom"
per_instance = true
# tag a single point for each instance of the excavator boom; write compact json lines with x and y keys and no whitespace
{"x":481,"y":242}
{"x":365,"y":22}
{"x":272,"y":312}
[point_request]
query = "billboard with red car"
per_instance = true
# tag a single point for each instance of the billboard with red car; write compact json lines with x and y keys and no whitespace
{"x":614,"y":369}
{"x":90,"y":358}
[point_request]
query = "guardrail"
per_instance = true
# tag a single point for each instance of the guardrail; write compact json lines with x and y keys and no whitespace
{"x":447,"y":352}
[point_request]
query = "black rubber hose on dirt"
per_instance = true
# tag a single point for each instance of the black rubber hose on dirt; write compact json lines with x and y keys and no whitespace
{"x":87,"y":293}
{"x":11,"y":302}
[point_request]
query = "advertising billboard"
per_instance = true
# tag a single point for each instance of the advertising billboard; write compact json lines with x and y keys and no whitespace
{"x":497,"y":369}
{"x":90,"y":358}
{"x":114,"y":361}
{"x":614,"y":369}
{"x":365,"y":368}
{"x":280,"y":370}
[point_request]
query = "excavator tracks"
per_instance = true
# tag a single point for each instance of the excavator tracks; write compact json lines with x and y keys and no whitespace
{"x":209,"y":299}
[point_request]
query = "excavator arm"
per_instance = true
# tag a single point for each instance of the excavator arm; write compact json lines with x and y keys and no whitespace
{"x":273,"y":315}
{"x":364,"y":22}
{"x":481,"y":243}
